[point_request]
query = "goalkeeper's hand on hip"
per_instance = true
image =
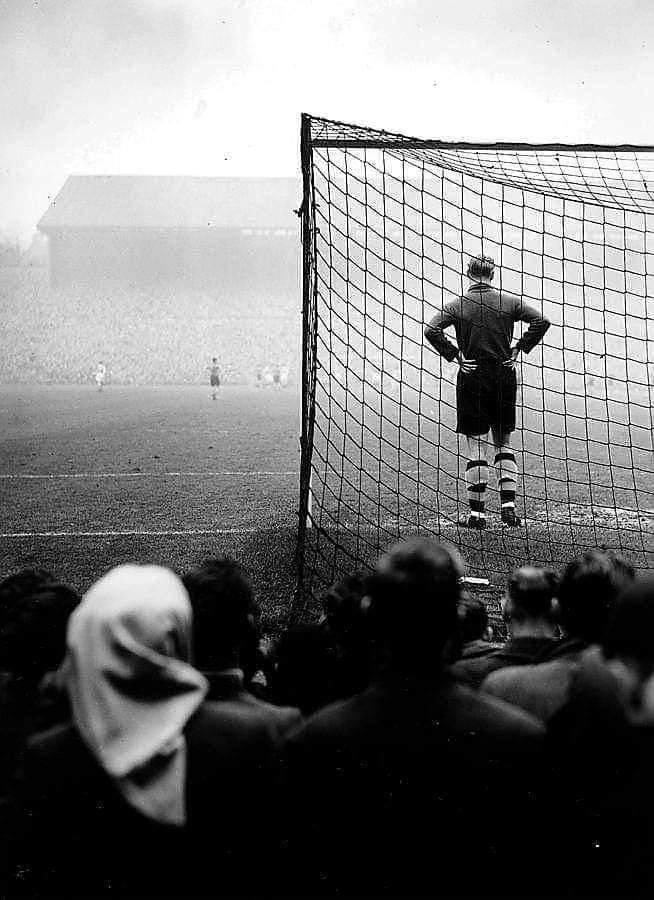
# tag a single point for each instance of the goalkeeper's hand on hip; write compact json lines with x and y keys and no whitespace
{"x":510,"y":362}
{"x":467,"y":366}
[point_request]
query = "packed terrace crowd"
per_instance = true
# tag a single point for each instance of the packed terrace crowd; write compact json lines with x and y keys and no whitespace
{"x":152,"y":744}
{"x":164,"y":334}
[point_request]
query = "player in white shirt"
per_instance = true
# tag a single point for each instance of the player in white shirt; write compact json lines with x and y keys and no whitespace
{"x":100,"y":375}
{"x":214,"y":377}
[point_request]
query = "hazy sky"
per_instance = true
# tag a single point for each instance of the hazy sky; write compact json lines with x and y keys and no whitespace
{"x":216,"y":87}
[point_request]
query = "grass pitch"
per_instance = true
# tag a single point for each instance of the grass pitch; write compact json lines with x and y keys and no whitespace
{"x":164,"y":474}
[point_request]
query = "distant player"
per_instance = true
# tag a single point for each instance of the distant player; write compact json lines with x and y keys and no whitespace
{"x":483,"y":320}
{"x":283,"y":376}
{"x":267,"y":376}
{"x":214,"y":377}
{"x":100,"y":375}
{"x":277,"y":376}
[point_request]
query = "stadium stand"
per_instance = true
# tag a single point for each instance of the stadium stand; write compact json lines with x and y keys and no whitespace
{"x":159,"y":334}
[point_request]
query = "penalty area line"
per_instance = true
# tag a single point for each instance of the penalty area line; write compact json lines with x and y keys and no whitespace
{"x":133,"y":533}
{"x":25,"y":476}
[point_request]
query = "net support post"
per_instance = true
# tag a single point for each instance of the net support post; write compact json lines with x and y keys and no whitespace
{"x":309,"y":518}
{"x":308,"y":345}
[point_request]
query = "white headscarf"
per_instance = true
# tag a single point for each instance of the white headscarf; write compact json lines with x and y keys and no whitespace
{"x":131,"y":686}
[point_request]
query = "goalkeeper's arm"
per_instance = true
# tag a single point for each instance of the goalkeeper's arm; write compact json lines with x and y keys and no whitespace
{"x":538,"y":325}
{"x":435,"y":334}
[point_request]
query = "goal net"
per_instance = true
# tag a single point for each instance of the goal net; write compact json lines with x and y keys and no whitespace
{"x":389,"y":225}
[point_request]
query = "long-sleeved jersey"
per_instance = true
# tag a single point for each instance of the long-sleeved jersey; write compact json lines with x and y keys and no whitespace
{"x":483,"y":320}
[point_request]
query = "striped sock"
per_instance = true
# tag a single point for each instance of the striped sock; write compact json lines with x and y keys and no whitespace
{"x":507,"y":478}
{"x":477,"y":482}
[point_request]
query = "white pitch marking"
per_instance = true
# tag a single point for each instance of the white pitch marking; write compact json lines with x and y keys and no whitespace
{"x":67,"y":534}
{"x":18,"y":476}
{"x":390,"y":524}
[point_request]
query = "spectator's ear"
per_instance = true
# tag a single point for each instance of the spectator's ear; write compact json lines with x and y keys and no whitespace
{"x":627,"y":679}
{"x":556,"y":609}
{"x":366,"y":603}
{"x":647,"y":698}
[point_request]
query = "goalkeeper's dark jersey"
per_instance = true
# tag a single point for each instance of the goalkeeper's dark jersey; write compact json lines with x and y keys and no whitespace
{"x":483,"y":320}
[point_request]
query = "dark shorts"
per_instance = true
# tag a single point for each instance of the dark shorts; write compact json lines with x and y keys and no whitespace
{"x":215,"y":381}
{"x":486,"y":399}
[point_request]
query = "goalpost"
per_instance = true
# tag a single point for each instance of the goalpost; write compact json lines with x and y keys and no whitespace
{"x":388,"y":226}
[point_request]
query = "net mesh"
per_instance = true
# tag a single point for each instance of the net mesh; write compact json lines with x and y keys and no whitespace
{"x":389,"y":224}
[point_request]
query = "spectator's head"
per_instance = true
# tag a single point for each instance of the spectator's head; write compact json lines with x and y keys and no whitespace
{"x":630,"y":633}
{"x":214,"y":359}
{"x":34,"y":613}
{"x":473,"y":619}
{"x":528,"y":604}
{"x":302,"y":668}
{"x":131,"y":687}
{"x":346,"y":622}
{"x":628,"y":649}
{"x":588,"y":591}
{"x":413,"y":595}
{"x":342,"y":608}
{"x":225,"y":615}
{"x":481,"y":268}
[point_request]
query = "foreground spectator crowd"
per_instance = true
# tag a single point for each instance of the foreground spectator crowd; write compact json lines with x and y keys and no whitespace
{"x":151,"y":744}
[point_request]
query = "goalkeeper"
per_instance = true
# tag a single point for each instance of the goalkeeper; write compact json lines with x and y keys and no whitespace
{"x":483,"y":320}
